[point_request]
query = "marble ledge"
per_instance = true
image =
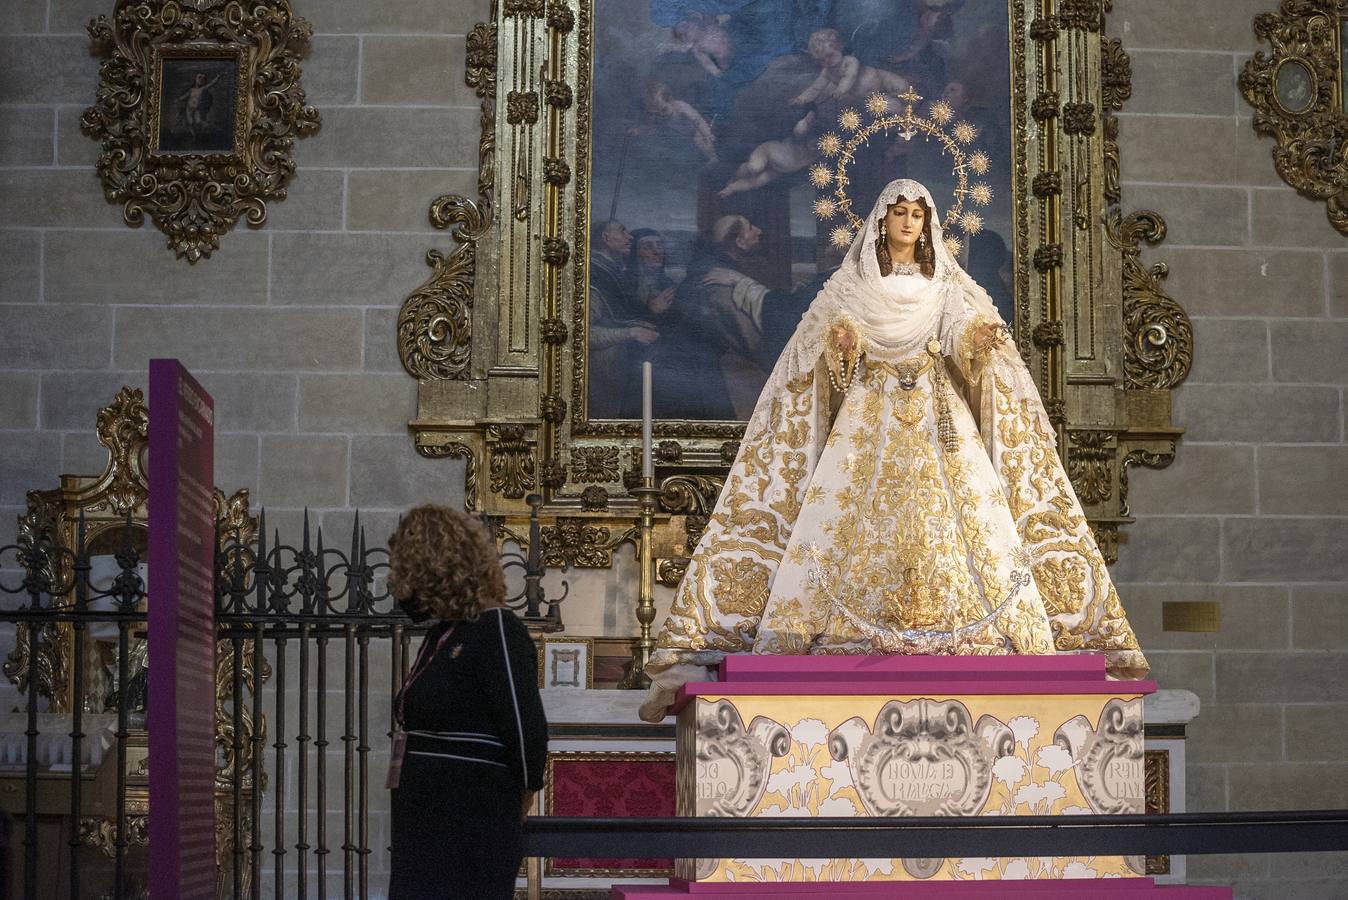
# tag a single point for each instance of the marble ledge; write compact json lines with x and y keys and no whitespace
{"x":615,"y":707}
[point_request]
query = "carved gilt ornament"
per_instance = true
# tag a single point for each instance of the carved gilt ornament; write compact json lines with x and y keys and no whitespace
{"x":1297,"y":91}
{"x":197,"y":110}
{"x":499,"y":336}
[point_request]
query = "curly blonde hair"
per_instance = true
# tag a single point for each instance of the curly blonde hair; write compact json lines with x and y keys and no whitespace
{"x":442,"y":564}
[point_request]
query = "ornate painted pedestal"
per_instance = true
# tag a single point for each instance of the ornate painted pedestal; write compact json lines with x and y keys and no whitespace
{"x":912,"y":736}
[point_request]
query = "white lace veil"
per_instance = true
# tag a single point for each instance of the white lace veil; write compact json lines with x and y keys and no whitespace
{"x":886,"y":319}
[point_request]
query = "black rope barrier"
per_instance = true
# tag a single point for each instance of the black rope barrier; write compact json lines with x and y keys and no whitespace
{"x":1175,"y":833}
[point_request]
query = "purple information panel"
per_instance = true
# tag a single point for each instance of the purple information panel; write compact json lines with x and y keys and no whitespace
{"x":181,"y":635}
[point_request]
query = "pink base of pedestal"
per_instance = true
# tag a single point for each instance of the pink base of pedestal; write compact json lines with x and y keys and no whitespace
{"x":751,"y":674}
{"x":1071,"y":889}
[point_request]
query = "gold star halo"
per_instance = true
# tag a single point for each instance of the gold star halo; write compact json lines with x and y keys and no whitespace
{"x":901,"y":122}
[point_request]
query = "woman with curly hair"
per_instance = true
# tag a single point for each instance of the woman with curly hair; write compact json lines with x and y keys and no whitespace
{"x":471,"y":743}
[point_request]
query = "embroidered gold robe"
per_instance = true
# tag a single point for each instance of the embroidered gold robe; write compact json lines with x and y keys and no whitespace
{"x":932,"y":515}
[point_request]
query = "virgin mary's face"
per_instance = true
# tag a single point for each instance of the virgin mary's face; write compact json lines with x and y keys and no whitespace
{"x":904,"y":221}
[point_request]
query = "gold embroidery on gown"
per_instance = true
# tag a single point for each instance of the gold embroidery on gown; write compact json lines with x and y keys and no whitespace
{"x":876,"y":536}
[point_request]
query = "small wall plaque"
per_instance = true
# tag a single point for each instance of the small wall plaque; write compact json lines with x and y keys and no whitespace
{"x":1191,"y":615}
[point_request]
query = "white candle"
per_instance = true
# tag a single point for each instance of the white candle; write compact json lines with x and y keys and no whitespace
{"x":647,"y":459}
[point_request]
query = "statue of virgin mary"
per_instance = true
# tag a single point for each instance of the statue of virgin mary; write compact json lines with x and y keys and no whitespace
{"x":898,"y":488}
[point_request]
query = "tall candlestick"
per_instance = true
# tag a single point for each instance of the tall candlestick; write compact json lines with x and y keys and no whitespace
{"x":647,"y":459}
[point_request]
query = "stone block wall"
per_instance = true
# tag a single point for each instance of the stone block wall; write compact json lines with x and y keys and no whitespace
{"x":291,"y":326}
{"x":1254,"y":512}
{"x":291,"y":329}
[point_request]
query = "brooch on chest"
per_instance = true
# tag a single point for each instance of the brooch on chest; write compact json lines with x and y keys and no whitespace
{"x":455,"y":651}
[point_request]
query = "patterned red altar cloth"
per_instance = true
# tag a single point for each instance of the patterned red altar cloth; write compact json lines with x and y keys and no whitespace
{"x":606,"y":788}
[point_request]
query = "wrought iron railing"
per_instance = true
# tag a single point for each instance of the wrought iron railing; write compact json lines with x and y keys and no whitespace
{"x":313,"y":598}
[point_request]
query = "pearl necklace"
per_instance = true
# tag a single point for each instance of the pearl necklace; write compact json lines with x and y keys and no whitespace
{"x":906,"y":269}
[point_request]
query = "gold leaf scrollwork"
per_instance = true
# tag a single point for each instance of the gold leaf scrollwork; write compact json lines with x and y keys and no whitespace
{"x":434,"y":324}
{"x":512,"y":465}
{"x":480,"y":75}
{"x":1078,"y":118}
{"x":1156,"y":797}
{"x":1084,"y":15}
{"x":552,"y":408}
{"x":1116,"y":74}
{"x":480,"y":60}
{"x":1158,"y":336}
{"x":1106,"y":536}
{"x":578,"y":544}
{"x":100,"y":833}
{"x":558,"y":94}
{"x":521,"y":107}
{"x":470,"y":463}
{"x":690,"y":494}
{"x":594,"y":464}
{"x":1113,"y":165}
{"x":556,"y":171}
{"x":123,"y":427}
{"x":560,"y":17}
{"x":194,"y":198}
{"x":594,"y":498}
{"x":1295,"y":94}
{"x":523,"y":8}
{"x":1090,"y":459}
{"x":1141,"y":456}
{"x":41,"y":551}
{"x":669,"y":572}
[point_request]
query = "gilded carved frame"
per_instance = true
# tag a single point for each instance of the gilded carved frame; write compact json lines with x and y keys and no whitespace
{"x":196,"y":192}
{"x":496,"y":337}
{"x":1298,"y":94}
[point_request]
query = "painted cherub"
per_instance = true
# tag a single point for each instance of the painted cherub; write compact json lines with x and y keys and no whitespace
{"x":842,"y":76}
{"x":198,"y":100}
{"x":771,"y":160}
{"x":679,"y":116}
{"x":710,"y":44}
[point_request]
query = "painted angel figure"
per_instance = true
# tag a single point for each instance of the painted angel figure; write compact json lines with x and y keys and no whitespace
{"x":898,"y":488}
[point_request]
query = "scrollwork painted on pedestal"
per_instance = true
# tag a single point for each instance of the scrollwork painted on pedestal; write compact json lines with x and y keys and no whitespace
{"x":1112,"y":772}
{"x":733,"y":761}
{"x":922,"y":758}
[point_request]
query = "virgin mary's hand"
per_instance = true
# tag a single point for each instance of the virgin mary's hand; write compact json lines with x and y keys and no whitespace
{"x":987,"y":336}
{"x":843,"y":339}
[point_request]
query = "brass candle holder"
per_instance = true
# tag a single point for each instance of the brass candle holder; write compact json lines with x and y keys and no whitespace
{"x":647,"y":497}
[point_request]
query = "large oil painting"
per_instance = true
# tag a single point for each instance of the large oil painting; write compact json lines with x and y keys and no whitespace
{"x":730,"y":140}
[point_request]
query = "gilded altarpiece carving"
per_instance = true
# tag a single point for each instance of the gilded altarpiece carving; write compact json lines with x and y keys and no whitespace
{"x":499,"y":340}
